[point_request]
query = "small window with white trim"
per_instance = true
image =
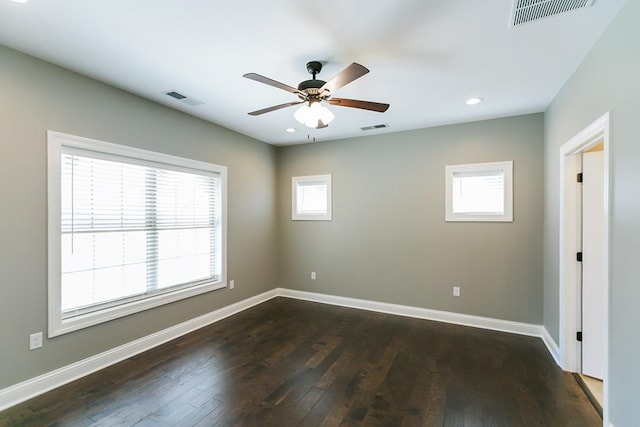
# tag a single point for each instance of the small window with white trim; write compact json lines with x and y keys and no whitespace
{"x":311,"y":198}
{"x":480,"y":192}
{"x":129,"y":230}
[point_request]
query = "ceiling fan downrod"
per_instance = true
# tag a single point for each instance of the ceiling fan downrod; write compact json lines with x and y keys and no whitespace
{"x":311,"y":88}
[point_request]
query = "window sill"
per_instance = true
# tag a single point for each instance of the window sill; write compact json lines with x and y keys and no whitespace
{"x":59,"y":326}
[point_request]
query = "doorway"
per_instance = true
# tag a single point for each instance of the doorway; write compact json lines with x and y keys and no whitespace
{"x":591,"y":211}
{"x":584,"y":306}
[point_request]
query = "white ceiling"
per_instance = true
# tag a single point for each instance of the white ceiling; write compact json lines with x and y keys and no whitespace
{"x":426,"y":56}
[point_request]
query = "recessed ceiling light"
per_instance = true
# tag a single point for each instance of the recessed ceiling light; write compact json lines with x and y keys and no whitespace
{"x":19,"y":1}
{"x":290,"y":130}
{"x":474,"y":101}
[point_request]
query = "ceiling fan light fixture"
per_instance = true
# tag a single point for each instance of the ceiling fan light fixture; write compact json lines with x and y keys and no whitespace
{"x":326,"y":115}
{"x":301,"y":113}
{"x":313,"y":113}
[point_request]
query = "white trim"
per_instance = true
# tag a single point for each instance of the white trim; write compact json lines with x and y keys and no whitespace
{"x":568,"y":271}
{"x":315,"y":179}
{"x":507,"y":171}
{"x":23,"y":391}
{"x":552,"y":346}
{"x":20,"y":392}
{"x":59,"y":143}
{"x":137,"y":155}
{"x":418,"y":312}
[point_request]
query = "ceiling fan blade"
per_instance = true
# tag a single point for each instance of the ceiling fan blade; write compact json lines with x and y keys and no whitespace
{"x":364,"y":105}
{"x":344,"y":77}
{"x":274,"y":108}
{"x":266,"y":80}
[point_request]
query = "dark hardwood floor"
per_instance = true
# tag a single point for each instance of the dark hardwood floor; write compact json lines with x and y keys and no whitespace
{"x":296,"y":363}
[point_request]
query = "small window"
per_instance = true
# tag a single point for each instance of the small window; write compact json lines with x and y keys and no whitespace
{"x":129,"y":230}
{"x":311,"y":198}
{"x":480,"y":192}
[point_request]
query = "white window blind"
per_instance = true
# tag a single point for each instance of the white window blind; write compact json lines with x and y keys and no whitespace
{"x":311,"y":197}
{"x":479,"y":192}
{"x":133,"y":229}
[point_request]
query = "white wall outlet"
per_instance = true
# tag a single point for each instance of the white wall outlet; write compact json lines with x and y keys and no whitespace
{"x":232,"y":284}
{"x":313,"y":275}
{"x":35,"y":340}
{"x":456,"y":291}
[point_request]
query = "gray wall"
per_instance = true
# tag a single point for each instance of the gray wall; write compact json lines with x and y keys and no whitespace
{"x":608,"y":80}
{"x":388,"y":240}
{"x":37,"y":96}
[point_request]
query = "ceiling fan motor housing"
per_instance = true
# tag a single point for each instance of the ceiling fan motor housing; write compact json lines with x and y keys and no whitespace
{"x":312,"y":87}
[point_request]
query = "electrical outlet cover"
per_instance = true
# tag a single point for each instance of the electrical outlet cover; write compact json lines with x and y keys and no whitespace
{"x":35,"y":341}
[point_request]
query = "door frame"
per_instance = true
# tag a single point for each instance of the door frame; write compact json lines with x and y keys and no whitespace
{"x":570,"y":285}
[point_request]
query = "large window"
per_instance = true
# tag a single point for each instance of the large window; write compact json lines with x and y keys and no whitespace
{"x":129,"y":230}
{"x":311,"y":197}
{"x":479,"y":192}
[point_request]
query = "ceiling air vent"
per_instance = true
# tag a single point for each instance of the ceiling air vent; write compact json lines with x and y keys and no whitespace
{"x":375,"y":127}
{"x":525,"y":11}
{"x":183,"y":98}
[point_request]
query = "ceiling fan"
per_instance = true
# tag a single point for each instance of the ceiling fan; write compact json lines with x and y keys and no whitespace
{"x":312,"y":93}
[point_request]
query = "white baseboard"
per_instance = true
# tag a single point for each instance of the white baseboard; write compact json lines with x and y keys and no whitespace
{"x":553,"y":348}
{"x":23,"y":391}
{"x":418,"y":312}
{"x":20,"y":392}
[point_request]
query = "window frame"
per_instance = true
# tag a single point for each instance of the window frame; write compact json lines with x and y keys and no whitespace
{"x":57,"y":143}
{"x":506,"y":216}
{"x":295,"y":215}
